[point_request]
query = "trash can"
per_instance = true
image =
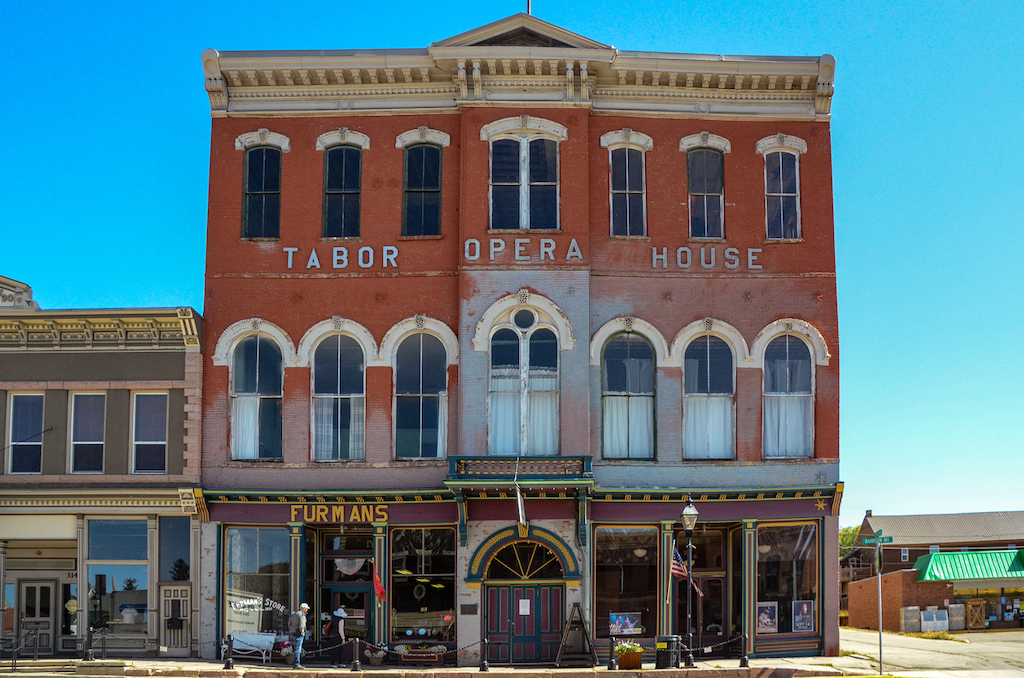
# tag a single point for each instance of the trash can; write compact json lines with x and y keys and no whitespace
{"x":666,"y":651}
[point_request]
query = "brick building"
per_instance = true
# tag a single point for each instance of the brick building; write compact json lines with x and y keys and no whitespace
{"x":521,"y":262}
{"x":99,"y":458}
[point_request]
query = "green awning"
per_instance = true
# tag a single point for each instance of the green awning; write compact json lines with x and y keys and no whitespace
{"x":967,"y":565}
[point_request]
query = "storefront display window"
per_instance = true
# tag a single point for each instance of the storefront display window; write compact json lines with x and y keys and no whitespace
{"x":256,"y":578}
{"x":117,"y":573}
{"x":69,"y":612}
{"x":626,"y":576}
{"x":423,"y":584}
{"x":117,"y":540}
{"x":8,"y":610}
{"x":787,"y":578}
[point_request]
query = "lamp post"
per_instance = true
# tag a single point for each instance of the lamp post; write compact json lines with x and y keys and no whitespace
{"x":689,"y":520}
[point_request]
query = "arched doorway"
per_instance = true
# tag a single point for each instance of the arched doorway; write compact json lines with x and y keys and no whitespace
{"x":524,"y":603}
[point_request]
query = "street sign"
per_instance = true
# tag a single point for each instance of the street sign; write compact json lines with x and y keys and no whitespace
{"x":877,"y":540}
{"x":878,"y":534}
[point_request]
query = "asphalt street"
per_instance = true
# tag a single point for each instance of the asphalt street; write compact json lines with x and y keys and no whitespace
{"x":992,"y":654}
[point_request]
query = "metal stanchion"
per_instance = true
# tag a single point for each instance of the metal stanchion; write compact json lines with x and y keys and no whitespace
{"x":88,"y":655}
{"x":356,"y":664}
{"x":613,"y":657}
{"x":229,"y":652}
{"x":35,"y":645}
{"x":745,"y":660}
{"x":483,"y":656}
{"x":103,"y":645}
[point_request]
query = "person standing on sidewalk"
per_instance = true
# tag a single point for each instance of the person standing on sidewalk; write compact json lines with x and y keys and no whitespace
{"x":336,"y":638}
{"x":297,"y":632}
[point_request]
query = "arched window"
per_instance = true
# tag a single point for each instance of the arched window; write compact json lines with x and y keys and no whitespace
{"x":523,"y":387}
{"x":705,"y":169}
{"x":261,"y":217}
{"x":788,"y":398}
{"x":421,"y":397}
{"x":524,"y":172}
{"x":338,"y":399}
{"x":342,"y":190}
{"x":422,"y":213}
{"x":256,"y":388}
{"x":627,"y":397}
{"x":525,"y":560}
{"x":708,"y":399}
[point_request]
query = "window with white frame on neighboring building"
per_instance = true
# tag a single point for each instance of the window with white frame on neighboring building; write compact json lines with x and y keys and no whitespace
{"x":705,"y":176}
{"x":708,"y":387}
{"x":788,"y":412}
{"x":26,"y":433}
{"x":261,"y":217}
{"x":523,"y":386}
{"x":342,"y":191}
{"x":338,"y":399}
{"x":421,"y":397}
{"x":933,"y":549}
{"x":627,"y":397}
{"x":87,"y":424}
{"x":782,"y":195}
{"x":422,"y":198}
{"x":904,"y":555}
{"x":256,"y":399}
{"x":149,"y":437}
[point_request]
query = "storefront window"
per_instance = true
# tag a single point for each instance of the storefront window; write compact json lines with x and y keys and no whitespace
{"x":118,"y":575}
{"x":423,"y":585}
{"x":787,"y":579}
{"x":256,"y":578}
{"x":626,"y":576}
{"x":8,"y":610}
{"x":707,"y":549}
{"x":175,"y":559}
{"x":69,"y":611}
{"x":117,"y":540}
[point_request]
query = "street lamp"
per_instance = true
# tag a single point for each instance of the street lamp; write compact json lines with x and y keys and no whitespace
{"x":689,"y":520}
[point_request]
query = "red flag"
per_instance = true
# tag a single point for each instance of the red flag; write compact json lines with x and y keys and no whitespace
{"x":378,"y":587}
{"x":679,"y":570}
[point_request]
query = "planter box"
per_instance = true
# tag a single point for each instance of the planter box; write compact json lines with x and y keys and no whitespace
{"x":630,"y":660}
{"x":421,"y":658}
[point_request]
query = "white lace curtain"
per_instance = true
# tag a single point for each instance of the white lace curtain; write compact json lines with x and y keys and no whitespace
{"x":787,"y":425}
{"x":628,"y":426}
{"x":708,"y":427}
{"x":245,"y":427}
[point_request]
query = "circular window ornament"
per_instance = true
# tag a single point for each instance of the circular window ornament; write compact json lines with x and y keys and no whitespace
{"x":524,"y":319}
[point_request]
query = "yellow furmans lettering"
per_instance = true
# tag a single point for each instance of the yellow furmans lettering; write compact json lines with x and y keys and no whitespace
{"x":324,"y":513}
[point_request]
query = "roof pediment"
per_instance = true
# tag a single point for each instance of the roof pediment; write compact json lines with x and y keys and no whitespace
{"x":520,"y":30}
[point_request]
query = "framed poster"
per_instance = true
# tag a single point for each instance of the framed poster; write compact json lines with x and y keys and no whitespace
{"x":624,"y":624}
{"x":803,"y":615}
{"x":767,"y":617}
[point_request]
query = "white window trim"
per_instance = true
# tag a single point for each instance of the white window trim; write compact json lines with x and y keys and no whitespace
{"x":801,"y":328}
{"x":167,"y":426}
{"x":310,"y":351}
{"x":705,"y":140}
{"x":716,"y":328}
{"x":524,"y":392}
{"x":556,"y":317}
{"x":237,"y":331}
{"x":388,"y":351}
{"x":904,"y":555}
{"x":662,"y":356}
{"x":71,"y":433}
{"x":262,"y":137}
{"x":423,"y":135}
{"x":524,"y":129}
{"x":781,"y":142}
{"x":338,"y":325}
{"x":627,"y":138}
{"x":10,"y":432}
{"x":343,"y":136}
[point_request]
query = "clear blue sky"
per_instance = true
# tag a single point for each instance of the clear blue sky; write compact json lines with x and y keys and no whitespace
{"x":106,"y":128}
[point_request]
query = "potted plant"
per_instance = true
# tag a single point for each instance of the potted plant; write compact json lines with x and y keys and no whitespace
{"x":630,"y":655}
{"x":376,"y":654}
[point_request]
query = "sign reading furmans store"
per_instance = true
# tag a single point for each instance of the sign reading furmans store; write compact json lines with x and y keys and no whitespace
{"x":323,"y":513}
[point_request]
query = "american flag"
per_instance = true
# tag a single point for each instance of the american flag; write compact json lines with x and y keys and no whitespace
{"x":678,"y":566}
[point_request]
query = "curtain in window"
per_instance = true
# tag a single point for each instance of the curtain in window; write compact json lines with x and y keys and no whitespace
{"x":245,"y":427}
{"x":787,"y":425}
{"x":543,"y":438}
{"x":323,"y":428}
{"x":504,"y":428}
{"x":628,"y":427}
{"x":707,"y":427}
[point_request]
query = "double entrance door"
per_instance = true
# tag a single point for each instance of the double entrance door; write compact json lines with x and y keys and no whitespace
{"x":524,"y":622}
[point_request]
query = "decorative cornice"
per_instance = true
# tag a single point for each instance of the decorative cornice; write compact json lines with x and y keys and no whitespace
{"x":705,"y":140}
{"x":124,"y":500}
{"x":102,"y":329}
{"x":263,"y":137}
{"x":423,"y":135}
{"x":627,"y":137}
{"x":781,"y":142}
{"x":342,"y":136}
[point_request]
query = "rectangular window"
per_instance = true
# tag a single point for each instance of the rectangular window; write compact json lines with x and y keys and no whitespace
{"x":342,"y":189}
{"x":26,"y":433}
{"x":118,"y":575}
{"x":625,"y":576}
{"x":175,"y":556}
{"x":422,"y":215}
{"x":787,"y":576}
{"x":782,"y":196}
{"x":262,"y":211}
{"x":904,"y":555}
{"x":150,"y":433}
{"x":933,"y":549}
{"x":87,"y":432}
{"x":256,"y":564}
{"x":627,"y":192}
{"x":423,"y":585}
{"x":705,"y":170}
{"x":524,"y":204}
